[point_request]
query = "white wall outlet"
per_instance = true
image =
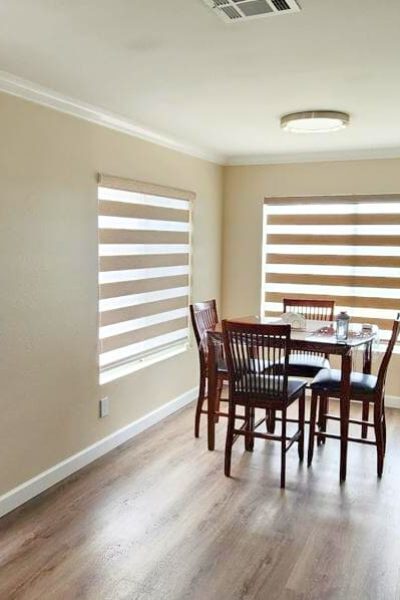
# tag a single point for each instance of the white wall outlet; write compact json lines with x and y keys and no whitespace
{"x":104,"y":407}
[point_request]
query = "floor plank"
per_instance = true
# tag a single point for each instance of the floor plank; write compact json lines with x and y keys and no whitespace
{"x":157,"y":520}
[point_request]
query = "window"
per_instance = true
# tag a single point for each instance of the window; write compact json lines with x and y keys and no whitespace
{"x":347,"y":249}
{"x":144,"y":273}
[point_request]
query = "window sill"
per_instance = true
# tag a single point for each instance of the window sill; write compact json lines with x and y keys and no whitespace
{"x":123,"y":370}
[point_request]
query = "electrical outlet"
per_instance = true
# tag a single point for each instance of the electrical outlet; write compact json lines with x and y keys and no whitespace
{"x":104,"y":407}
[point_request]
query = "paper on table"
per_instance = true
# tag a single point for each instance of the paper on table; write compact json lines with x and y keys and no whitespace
{"x":296,"y":320}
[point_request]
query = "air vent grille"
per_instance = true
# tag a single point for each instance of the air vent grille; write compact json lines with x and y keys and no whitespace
{"x":234,"y":11}
{"x":231,"y":12}
{"x":257,"y":7}
{"x":281,"y":4}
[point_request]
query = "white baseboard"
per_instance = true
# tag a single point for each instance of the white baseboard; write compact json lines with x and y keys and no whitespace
{"x":392,"y":401}
{"x":31,"y":488}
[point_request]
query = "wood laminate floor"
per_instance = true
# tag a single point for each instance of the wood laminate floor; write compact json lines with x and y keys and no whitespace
{"x":157,"y":520}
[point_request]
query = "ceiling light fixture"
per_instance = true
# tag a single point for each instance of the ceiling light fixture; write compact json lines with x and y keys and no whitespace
{"x":315,"y":121}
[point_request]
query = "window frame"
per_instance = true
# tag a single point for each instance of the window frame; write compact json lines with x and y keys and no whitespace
{"x":383,"y":199}
{"x":151,"y":356}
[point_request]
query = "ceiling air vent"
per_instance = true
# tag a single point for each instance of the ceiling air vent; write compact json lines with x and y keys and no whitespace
{"x":281,"y":5}
{"x":234,"y":11}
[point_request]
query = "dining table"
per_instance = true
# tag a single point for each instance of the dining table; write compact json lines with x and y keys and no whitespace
{"x":316,"y":336}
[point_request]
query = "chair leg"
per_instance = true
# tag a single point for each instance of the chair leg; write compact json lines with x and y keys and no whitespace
{"x":220,"y":385}
{"x":378,"y":426}
{"x":249,"y":439}
{"x":313,"y":420}
{"x":302,"y":410}
{"x":283,"y":449}
{"x":325,"y":422}
{"x":323,"y":409}
{"x":365,"y":417}
{"x":253,"y":420}
{"x":384,"y":431}
{"x":270,"y":420}
{"x":229,"y":438}
{"x":320,"y":412}
{"x":199,"y":406}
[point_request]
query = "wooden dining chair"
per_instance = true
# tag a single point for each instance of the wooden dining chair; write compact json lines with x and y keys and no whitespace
{"x":251,"y":388}
{"x":363,"y":388}
{"x":204,"y":316}
{"x":307,"y":364}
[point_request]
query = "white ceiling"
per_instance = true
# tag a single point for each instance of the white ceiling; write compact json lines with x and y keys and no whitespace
{"x":175,"y":68}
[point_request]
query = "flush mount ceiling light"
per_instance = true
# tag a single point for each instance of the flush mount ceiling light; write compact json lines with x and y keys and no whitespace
{"x":315,"y":121}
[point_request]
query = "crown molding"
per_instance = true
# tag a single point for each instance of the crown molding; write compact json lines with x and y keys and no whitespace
{"x":28,"y":90}
{"x":308,"y":157}
{"x":33,"y":92}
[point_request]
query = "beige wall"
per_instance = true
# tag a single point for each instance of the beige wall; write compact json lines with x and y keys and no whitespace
{"x":48,"y":292}
{"x":244,"y":191}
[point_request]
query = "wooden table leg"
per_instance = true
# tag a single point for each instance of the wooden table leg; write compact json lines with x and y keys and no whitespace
{"x":211,"y":393}
{"x":344,"y":413}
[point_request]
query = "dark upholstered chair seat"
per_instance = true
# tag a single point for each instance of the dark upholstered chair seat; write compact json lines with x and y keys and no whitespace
{"x":294,"y":386}
{"x":257,"y":366}
{"x":328,"y":380}
{"x":306,"y":365}
{"x":221,"y":365}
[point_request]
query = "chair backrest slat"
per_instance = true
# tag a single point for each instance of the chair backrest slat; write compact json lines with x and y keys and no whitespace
{"x":257,"y":359}
{"x":314,"y":310}
{"x":204,"y":316}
